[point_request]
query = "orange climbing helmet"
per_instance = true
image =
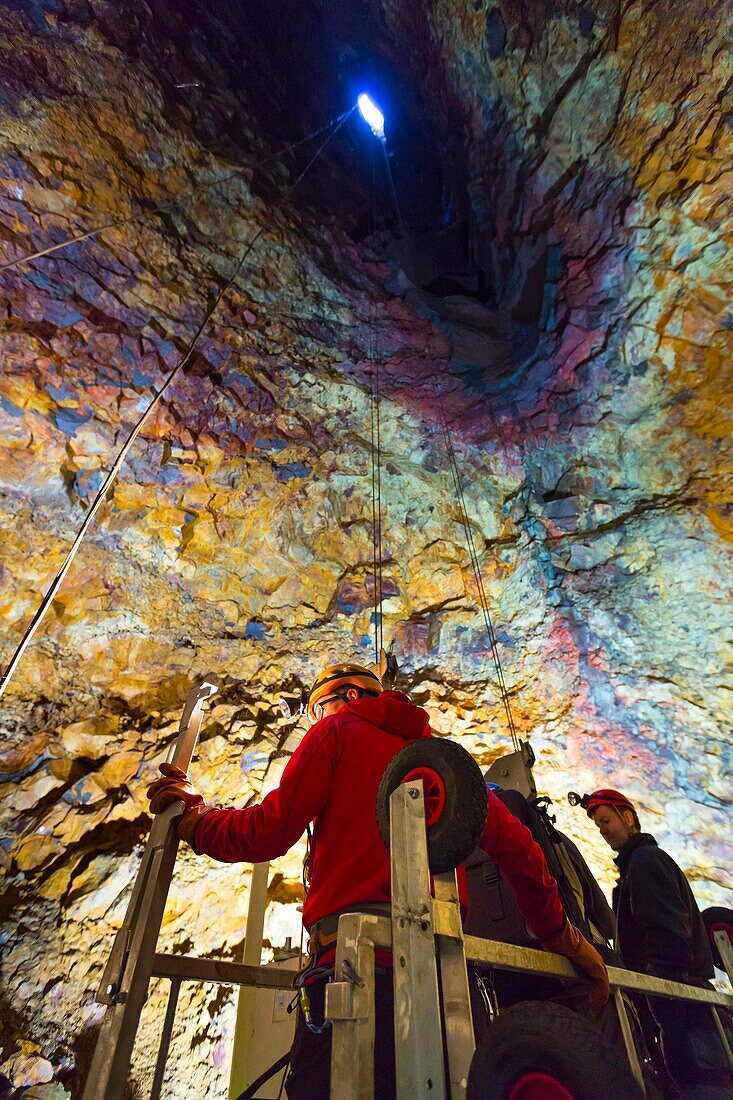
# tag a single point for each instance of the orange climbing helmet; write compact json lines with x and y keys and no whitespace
{"x":335,"y":677}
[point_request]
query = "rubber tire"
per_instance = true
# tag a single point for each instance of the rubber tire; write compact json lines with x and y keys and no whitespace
{"x":456,"y":833}
{"x":716,"y":914}
{"x":542,"y":1037}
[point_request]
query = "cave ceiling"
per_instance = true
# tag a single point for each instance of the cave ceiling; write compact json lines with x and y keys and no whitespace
{"x":553,"y":282}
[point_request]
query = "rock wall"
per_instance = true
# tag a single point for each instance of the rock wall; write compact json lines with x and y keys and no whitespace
{"x":585,"y":396}
{"x":601,"y":156}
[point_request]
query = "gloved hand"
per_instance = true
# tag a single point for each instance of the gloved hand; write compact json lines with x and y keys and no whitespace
{"x":575,"y":947}
{"x":175,"y":786}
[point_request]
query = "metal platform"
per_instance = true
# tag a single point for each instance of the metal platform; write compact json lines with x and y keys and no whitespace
{"x":429,"y":948}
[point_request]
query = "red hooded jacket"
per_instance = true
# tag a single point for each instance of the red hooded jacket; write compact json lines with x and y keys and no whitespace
{"x":332,"y":780}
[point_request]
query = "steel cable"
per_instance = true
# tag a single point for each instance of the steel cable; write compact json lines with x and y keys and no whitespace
{"x":372,"y":437}
{"x":172,"y":203}
{"x":476,"y":566}
{"x":376,"y":455}
{"x":460,"y":496}
{"x":112,"y":475}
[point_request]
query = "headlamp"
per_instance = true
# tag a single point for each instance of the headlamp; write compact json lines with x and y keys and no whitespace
{"x":576,"y":799}
{"x":294,"y":706}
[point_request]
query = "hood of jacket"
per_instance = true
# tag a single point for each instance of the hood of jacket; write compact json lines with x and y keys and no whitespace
{"x":392,"y":712}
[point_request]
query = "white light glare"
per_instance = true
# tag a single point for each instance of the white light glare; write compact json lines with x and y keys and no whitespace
{"x":372,"y":116}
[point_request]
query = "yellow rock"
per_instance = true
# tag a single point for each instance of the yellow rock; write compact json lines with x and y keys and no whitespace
{"x":36,"y":850}
{"x":91,"y":738}
{"x":120,"y":769}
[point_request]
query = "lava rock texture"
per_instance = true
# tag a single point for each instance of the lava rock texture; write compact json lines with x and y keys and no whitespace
{"x":562,"y":299}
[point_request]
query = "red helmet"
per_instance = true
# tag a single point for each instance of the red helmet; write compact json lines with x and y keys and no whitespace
{"x":606,"y":797}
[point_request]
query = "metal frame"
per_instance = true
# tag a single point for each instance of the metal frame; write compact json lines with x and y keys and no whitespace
{"x":126,"y":977}
{"x":424,"y":933}
{"x":418,"y":918}
{"x":264,"y":1029}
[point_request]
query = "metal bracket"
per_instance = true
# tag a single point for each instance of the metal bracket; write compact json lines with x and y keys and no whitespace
{"x":126,"y":978}
{"x":341,"y":1004}
{"x":514,"y":771}
{"x":725,"y":948}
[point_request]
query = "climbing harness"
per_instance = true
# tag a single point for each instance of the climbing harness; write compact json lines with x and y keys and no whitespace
{"x":311,"y":974}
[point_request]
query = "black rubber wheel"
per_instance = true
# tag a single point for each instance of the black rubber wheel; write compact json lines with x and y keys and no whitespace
{"x":455,"y":798}
{"x":717,"y":919}
{"x":539,"y":1049}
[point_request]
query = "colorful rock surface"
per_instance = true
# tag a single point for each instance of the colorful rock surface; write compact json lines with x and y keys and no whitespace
{"x":587,"y":398}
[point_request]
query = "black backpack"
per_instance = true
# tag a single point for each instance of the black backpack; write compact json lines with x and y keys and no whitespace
{"x":493,"y":912}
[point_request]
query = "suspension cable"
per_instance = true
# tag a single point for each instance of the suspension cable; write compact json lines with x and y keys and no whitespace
{"x":380,"y":560}
{"x":172,"y":203}
{"x":461,"y":499}
{"x":476,"y":566}
{"x":374,"y":404}
{"x":376,"y":455}
{"x":375,"y":522}
{"x":378,"y":554}
{"x":407,"y":258}
{"x":184,"y":359}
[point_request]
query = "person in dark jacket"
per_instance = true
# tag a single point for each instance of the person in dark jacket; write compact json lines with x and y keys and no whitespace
{"x":332,"y":780}
{"x":493,"y":911}
{"x":660,"y":932}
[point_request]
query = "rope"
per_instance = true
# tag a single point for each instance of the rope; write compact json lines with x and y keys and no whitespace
{"x":340,"y":119}
{"x":376,"y":454}
{"x":400,"y":221}
{"x":473,"y":556}
{"x":460,"y":496}
{"x":112,"y":475}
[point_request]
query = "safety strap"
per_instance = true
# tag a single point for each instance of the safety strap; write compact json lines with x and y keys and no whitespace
{"x":256,"y":1085}
{"x":572,"y":878}
{"x":324,"y":932}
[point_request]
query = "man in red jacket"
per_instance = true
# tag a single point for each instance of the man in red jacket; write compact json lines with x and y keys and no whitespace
{"x":332,"y":780}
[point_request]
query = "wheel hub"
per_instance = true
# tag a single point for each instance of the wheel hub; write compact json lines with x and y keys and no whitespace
{"x":539,"y":1086}
{"x":433,"y":791}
